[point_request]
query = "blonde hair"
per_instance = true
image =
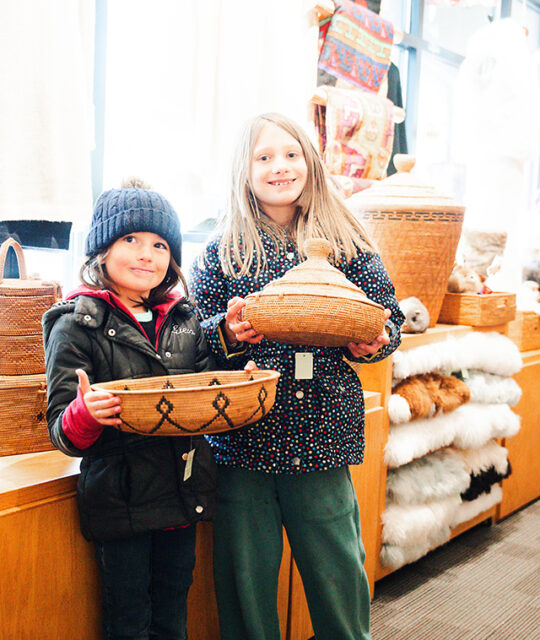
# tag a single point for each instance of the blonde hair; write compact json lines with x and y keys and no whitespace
{"x":320,"y":211}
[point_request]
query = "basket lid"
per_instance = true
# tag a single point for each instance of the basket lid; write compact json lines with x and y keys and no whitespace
{"x":403,"y":192}
{"x":316,"y":276}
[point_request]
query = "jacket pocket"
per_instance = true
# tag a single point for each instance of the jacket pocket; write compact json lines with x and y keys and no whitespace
{"x":104,"y":484}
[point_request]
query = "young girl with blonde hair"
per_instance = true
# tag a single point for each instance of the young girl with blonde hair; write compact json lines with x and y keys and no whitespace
{"x":291,"y":468}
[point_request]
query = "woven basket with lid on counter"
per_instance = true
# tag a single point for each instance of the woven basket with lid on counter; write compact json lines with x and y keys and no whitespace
{"x":314,"y":304}
{"x":417,"y":230}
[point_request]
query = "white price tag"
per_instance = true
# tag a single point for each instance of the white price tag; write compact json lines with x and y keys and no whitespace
{"x":189,"y":464}
{"x":303,"y":366}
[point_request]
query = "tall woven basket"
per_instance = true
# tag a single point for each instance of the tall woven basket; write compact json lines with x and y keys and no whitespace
{"x":23,"y":302}
{"x":417,"y":231}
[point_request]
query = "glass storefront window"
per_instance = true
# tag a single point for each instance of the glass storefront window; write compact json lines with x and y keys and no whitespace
{"x":449,"y":27}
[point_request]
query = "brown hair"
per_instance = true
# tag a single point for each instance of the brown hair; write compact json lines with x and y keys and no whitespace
{"x":320,"y":212}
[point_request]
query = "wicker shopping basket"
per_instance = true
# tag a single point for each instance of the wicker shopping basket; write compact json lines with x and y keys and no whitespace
{"x":193,"y":403}
{"x":416,"y":229}
{"x":314,"y":304}
{"x":23,"y":302}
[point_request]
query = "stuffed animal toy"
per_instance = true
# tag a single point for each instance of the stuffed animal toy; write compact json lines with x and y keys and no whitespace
{"x":416,"y":316}
{"x":465,"y":280}
{"x":429,"y":394}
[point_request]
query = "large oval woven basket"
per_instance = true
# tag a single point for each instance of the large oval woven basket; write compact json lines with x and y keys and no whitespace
{"x":314,"y":304}
{"x":193,"y":403}
{"x":417,"y":231}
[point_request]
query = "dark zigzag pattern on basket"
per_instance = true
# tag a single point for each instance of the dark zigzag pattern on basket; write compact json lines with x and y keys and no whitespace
{"x":220,"y":404}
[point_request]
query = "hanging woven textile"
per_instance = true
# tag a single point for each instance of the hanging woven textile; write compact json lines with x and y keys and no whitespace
{"x":356,"y":133}
{"x":357,"y":46}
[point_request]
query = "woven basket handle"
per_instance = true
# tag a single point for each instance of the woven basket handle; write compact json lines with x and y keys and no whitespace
{"x":10,"y":242}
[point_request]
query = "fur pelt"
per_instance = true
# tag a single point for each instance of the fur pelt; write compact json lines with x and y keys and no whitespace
{"x":414,"y":524}
{"x":395,"y":556}
{"x":491,"y":389}
{"x":469,"y":426}
{"x":468,"y":510}
{"x":432,"y":477}
{"x":416,"y":316}
{"x":429,"y":394}
{"x":478,"y":460}
{"x":483,"y":481}
{"x":399,"y":410}
{"x":485,"y":466}
{"x":465,"y":280}
{"x":490,"y":352}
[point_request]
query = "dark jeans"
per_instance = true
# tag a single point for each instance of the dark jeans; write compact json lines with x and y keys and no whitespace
{"x":144,"y":581}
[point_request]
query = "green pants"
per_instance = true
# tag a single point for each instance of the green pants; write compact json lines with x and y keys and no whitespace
{"x":320,"y":513}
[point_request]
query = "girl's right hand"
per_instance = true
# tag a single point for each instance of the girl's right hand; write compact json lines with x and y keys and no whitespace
{"x":103,"y":406}
{"x":237,"y":329}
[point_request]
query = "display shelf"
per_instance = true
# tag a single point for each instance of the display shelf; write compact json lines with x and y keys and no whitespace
{"x":378,"y":376}
{"x":523,"y":485}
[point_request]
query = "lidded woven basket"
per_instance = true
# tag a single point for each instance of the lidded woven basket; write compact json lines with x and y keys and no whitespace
{"x":416,"y":229}
{"x":314,"y":304}
{"x":193,"y":403}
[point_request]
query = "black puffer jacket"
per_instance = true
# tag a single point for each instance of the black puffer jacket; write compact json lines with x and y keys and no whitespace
{"x":128,"y":483}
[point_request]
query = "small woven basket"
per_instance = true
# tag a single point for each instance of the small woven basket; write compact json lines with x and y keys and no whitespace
{"x":23,"y":408}
{"x":194,"y":403}
{"x":23,"y":302}
{"x":314,"y":304}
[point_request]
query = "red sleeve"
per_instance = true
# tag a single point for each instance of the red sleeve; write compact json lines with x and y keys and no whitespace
{"x":78,"y":425}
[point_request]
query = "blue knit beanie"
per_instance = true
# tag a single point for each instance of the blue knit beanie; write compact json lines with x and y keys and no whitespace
{"x":118,"y":212}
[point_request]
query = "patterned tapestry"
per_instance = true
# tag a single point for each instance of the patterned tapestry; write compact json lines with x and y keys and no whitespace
{"x":357,"y":46}
{"x":356,"y":133}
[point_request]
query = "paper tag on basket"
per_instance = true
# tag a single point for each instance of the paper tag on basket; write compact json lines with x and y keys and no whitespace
{"x":189,"y":464}
{"x":303,"y":366}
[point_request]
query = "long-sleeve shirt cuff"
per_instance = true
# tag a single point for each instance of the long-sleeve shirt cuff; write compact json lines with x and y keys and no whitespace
{"x":78,"y":425}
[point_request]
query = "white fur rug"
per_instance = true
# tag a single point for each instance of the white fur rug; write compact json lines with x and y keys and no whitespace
{"x":417,"y":523}
{"x":434,"y":533}
{"x":476,"y":461}
{"x":468,"y":510}
{"x":394,"y":556}
{"x":489,"y":388}
{"x":432,"y":477}
{"x":468,"y":427}
{"x":489,"y":352}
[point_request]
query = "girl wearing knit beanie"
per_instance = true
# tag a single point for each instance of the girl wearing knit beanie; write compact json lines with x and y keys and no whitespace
{"x":139,"y":497}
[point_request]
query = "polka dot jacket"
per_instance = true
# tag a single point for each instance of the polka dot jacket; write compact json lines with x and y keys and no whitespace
{"x":315,"y":424}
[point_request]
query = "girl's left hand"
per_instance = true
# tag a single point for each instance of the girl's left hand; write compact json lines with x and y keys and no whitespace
{"x":237,"y":329}
{"x":359,"y":349}
{"x":251,"y":366}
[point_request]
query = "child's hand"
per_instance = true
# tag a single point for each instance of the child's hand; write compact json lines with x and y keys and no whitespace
{"x":251,"y":366}
{"x":101,"y":405}
{"x":236,"y":329}
{"x":359,"y":349}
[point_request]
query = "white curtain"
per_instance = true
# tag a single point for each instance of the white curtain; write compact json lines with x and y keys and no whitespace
{"x":181,"y":79}
{"x":46,"y":118}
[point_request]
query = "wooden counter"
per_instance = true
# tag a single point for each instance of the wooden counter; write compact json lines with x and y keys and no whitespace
{"x":48,"y":581}
{"x":49,"y":573}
